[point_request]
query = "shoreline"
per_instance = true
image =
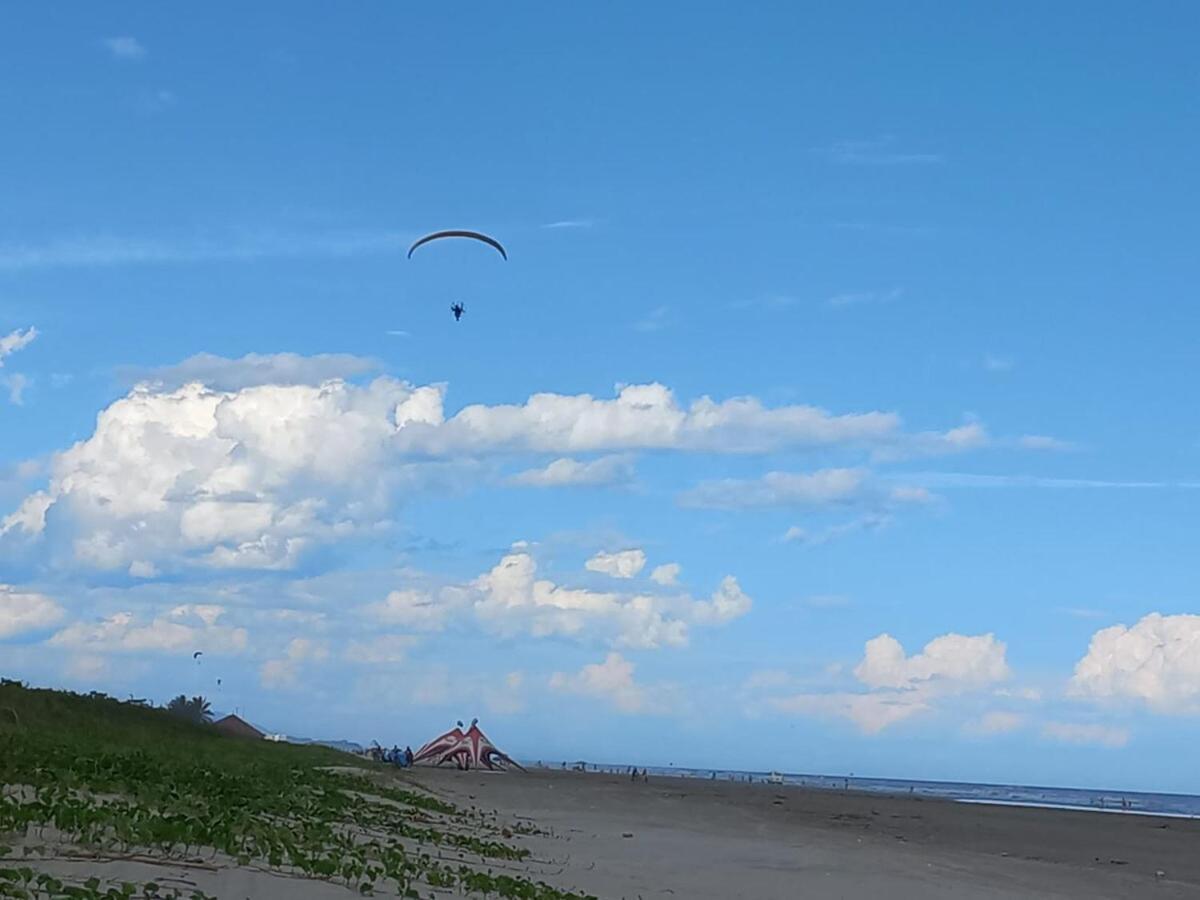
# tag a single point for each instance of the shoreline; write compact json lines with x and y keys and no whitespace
{"x":1030,"y":804}
{"x":1153,"y":803}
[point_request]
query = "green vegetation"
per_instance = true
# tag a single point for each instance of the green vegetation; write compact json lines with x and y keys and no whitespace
{"x":90,"y":776}
{"x":25,"y":883}
{"x":194,"y":710}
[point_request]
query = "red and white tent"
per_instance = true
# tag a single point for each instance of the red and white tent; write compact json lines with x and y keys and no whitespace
{"x":468,"y":749}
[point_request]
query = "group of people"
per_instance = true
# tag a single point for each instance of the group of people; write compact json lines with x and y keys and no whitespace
{"x":396,"y":757}
{"x":633,"y":772}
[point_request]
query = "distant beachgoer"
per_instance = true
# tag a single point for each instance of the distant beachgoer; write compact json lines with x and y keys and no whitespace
{"x":408,"y":756}
{"x":646,"y":775}
{"x":633,"y":773}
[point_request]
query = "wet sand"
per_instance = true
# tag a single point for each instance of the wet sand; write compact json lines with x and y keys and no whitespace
{"x":690,"y":838}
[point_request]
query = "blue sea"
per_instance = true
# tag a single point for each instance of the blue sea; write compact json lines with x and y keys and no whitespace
{"x":1109,"y":801}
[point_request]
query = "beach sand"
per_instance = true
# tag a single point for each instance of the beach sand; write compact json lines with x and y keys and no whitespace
{"x":690,"y":838}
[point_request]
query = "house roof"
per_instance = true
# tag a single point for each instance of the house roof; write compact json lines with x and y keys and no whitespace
{"x":237,"y":727}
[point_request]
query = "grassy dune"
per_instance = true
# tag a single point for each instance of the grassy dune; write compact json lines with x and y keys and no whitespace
{"x":92,"y":777}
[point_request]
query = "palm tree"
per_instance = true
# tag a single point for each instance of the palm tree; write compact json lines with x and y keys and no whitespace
{"x":194,"y":710}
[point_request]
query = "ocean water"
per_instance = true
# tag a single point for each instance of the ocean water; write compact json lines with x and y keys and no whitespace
{"x":1111,"y":801}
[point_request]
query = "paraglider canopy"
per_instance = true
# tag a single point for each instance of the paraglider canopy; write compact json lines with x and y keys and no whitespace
{"x":197,"y":654}
{"x":459,"y":233}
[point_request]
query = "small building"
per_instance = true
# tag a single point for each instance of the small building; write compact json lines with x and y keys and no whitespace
{"x":234,"y":726}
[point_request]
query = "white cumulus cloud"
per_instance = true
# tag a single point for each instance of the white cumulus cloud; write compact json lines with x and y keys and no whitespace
{"x":24,"y":611}
{"x":225,"y":479}
{"x":511,"y":599}
{"x":252,"y":462}
{"x":899,"y":686}
{"x":1156,"y":662}
{"x":957,"y":658}
{"x":727,"y":603}
{"x":644,"y":417}
{"x":623,"y":564}
{"x":667,"y":574}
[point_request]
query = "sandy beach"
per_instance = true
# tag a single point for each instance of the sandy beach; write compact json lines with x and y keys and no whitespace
{"x":688,"y":838}
{"x":604,"y":836}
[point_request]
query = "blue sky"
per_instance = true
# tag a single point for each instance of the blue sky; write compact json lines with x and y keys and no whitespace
{"x":932,"y":270}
